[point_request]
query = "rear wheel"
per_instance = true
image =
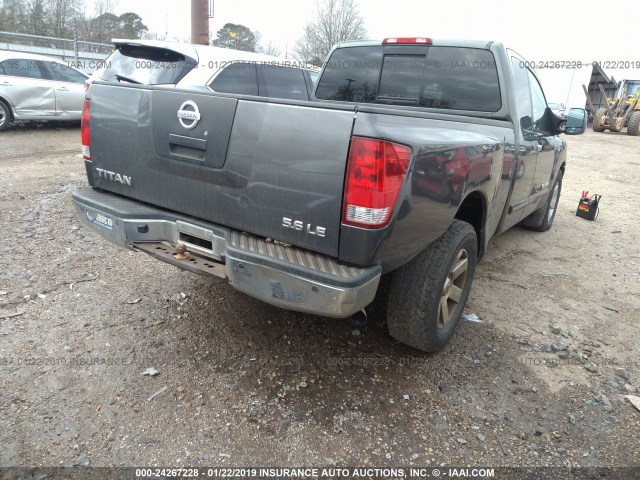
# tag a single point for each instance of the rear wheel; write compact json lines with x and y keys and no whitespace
{"x":596,"y":122}
{"x":542,"y":219}
{"x":5,"y":115}
{"x":634,"y":124}
{"x":428,"y":294}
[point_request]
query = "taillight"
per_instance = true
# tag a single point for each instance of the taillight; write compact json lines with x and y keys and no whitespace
{"x":87,"y":85}
{"x":376,"y":170}
{"x":86,"y":138}
{"x":408,"y":40}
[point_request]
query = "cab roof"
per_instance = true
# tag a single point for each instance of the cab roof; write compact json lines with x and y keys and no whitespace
{"x":484,"y":44}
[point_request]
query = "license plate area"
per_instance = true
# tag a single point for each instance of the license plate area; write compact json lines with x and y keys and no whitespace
{"x":201,"y":240}
{"x":100,"y":219}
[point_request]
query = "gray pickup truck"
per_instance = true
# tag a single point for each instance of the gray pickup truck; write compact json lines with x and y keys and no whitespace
{"x":410,"y":156}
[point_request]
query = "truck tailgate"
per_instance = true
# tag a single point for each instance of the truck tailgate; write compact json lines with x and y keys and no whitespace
{"x":245,"y":164}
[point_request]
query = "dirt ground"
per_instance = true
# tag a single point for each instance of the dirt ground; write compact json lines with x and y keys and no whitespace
{"x":540,"y":382}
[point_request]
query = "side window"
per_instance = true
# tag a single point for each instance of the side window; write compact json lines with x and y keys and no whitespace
{"x":538,"y":102}
{"x":282,"y":82}
{"x":239,"y":78}
{"x":23,"y":68}
{"x":61,"y":73}
{"x":522,"y":94}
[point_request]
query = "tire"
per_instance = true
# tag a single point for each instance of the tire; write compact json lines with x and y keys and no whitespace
{"x":5,"y":116}
{"x":634,"y":124}
{"x":438,"y":275}
{"x":596,"y":124}
{"x":542,"y":219}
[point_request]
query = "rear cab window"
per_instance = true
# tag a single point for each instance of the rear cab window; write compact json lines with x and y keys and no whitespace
{"x":455,"y":78}
{"x":145,"y":65}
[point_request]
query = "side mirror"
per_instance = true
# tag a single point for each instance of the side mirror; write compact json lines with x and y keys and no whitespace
{"x":551,"y":123}
{"x":576,"y":121}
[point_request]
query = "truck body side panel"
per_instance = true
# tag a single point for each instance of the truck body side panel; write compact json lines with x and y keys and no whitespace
{"x":451,"y":159}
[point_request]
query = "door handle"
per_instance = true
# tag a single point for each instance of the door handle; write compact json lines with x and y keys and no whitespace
{"x":6,"y":84}
{"x":63,"y":89}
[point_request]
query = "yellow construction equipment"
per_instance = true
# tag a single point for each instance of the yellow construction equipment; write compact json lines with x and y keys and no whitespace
{"x":618,"y":113}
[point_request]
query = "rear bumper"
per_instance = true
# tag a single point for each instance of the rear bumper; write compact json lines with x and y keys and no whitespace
{"x":282,"y":275}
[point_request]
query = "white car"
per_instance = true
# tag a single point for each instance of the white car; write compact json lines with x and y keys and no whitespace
{"x":223,"y":70}
{"x":37,"y":87}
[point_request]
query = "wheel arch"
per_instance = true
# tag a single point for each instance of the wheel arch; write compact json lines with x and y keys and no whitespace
{"x":473,"y":210}
{"x":559,"y":171}
{"x":8,"y":104}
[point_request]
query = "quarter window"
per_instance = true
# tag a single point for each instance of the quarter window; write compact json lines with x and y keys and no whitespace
{"x":239,"y":78}
{"x":61,"y":73}
{"x":283,"y":82}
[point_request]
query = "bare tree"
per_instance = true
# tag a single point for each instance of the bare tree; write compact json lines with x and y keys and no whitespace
{"x":336,"y":21}
{"x":39,"y":17}
{"x":270,"y":49}
{"x":64,"y":18}
{"x":60,"y":14}
{"x":13,"y":17}
{"x":35,"y":16}
{"x":92,"y":25}
{"x":103,"y":24}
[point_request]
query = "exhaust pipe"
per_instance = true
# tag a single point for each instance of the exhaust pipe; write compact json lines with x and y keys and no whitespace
{"x":359,"y":319}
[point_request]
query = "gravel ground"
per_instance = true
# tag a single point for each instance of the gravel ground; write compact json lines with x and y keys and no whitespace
{"x":540,"y":382}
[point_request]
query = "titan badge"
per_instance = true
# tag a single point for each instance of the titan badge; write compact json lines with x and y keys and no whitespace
{"x":114,"y":177}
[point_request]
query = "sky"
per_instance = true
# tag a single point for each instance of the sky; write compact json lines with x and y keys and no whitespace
{"x":540,"y":31}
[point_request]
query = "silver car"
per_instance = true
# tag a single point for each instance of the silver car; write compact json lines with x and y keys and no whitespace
{"x":37,"y":87}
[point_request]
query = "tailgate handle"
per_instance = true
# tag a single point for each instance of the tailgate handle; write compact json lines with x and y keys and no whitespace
{"x":190,"y":142}
{"x":187,"y":147}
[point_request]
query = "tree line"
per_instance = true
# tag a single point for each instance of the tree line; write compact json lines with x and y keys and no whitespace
{"x":334,"y":21}
{"x":64,"y":18}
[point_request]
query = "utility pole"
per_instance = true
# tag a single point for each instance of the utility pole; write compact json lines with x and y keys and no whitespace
{"x":200,"y":22}
{"x":75,"y":40}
